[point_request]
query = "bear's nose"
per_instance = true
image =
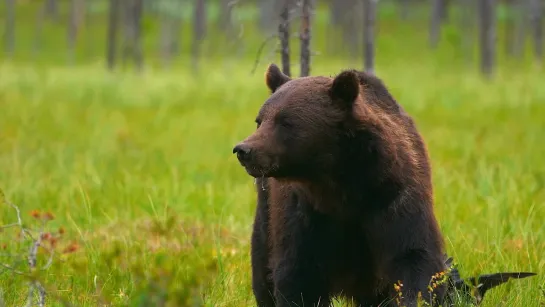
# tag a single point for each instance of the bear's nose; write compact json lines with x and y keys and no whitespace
{"x":242,"y":151}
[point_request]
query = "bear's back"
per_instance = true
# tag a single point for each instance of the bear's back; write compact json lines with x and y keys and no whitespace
{"x":377,"y":95}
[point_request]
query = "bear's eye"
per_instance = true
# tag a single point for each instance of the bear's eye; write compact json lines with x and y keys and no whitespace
{"x":258,"y":122}
{"x":286,"y":124}
{"x":284,"y":121}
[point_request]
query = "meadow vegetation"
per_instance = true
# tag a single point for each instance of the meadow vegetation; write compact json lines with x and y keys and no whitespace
{"x":137,"y":169}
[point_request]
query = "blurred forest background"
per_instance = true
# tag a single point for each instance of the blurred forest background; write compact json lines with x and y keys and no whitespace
{"x":118,"y":186}
{"x":183,"y":32}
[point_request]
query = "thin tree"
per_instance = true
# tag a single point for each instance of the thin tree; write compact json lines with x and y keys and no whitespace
{"x":199,"y":31}
{"x":404,"y":8}
{"x":72,"y":30}
{"x":537,"y":26}
{"x":87,"y":20}
{"x":175,"y":47}
{"x":435,"y":22}
{"x":138,"y":55}
{"x":267,"y":14}
{"x":52,"y":9}
{"x":40,"y":20}
{"x":9,"y":34}
{"x":306,"y":11}
{"x":225,"y":16}
{"x":351,"y":25}
{"x":284,"y":34}
{"x":369,"y":19}
{"x":335,"y":20}
{"x":487,"y":14}
{"x":113,"y":25}
{"x":467,"y":20}
{"x":170,"y":31}
{"x":126,"y":20}
{"x":444,"y":10}
{"x":335,"y":11}
{"x":521,"y":10}
{"x":132,"y":29}
{"x":510,"y":27}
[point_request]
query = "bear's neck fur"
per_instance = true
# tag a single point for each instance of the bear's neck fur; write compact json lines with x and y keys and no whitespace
{"x":384,"y":160}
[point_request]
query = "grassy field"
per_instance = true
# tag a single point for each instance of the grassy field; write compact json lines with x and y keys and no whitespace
{"x":138,"y":171}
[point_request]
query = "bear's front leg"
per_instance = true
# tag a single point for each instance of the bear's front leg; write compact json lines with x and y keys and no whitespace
{"x":299,"y":284}
{"x":299,"y":275}
{"x":415,"y":270}
{"x":262,"y":284}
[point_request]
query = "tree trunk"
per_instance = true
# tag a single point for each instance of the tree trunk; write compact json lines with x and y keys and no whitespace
{"x":81,"y":12}
{"x":267,"y":14}
{"x":369,"y":17}
{"x":435,"y":22}
{"x":113,"y":25}
{"x":40,"y":19}
{"x":467,"y":27}
{"x":537,"y":26}
{"x":9,"y":34}
{"x":199,"y":31}
{"x":284,"y":34}
{"x":133,"y":28}
{"x":510,"y":28}
{"x":404,"y":6}
{"x":335,"y":11}
{"x":176,"y":32}
{"x":137,"y":25}
{"x":305,"y":37}
{"x":351,"y":25}
{"x":226,"y":12}
{"x":52,"y":9}
{"x":444,"y":11}
{"x":170,"y":35}
{"x":126,"y":21}
{"x":521,"y":25}
{"x":72,"y":30}
{"x":487,"y":12}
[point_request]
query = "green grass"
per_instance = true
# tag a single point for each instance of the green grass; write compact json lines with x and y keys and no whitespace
{"x":138,"y":168}
{"x":111,"y":156}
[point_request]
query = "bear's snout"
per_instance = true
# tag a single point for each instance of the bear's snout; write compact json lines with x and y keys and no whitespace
{"x":256,"y":163}
{"x":243,"y":152}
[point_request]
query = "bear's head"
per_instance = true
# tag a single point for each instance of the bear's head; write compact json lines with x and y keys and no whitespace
{"x":303,"y":127}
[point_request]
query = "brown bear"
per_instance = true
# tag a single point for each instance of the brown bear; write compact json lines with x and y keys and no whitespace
{"x":345,"y":204}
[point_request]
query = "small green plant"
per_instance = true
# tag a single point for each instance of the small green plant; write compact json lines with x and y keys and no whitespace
{"x":438,"y":279}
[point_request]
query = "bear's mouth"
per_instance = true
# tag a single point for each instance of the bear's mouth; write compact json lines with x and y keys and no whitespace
{"x":254,"y":172}
{"x":257,"y":172}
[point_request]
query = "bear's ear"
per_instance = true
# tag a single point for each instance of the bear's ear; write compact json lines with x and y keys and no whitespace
{"x":345,"y":88}
{"x":275,"y":78}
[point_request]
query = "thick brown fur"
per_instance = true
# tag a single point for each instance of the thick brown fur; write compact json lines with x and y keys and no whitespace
{"x":345,"y":199}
